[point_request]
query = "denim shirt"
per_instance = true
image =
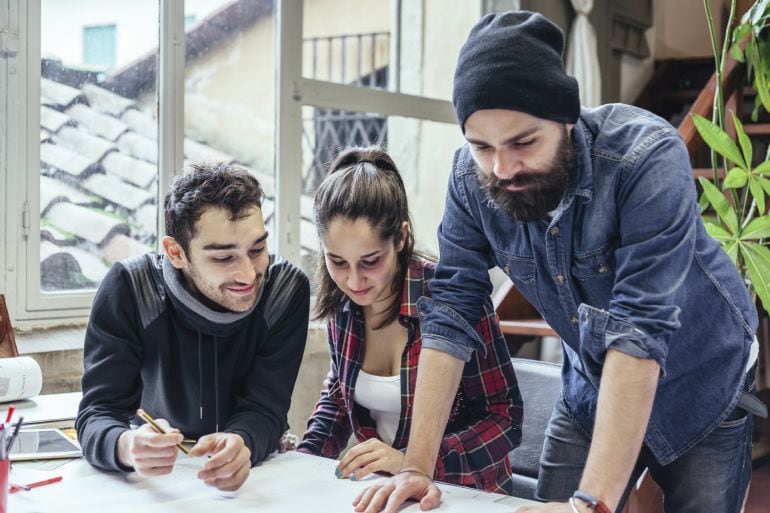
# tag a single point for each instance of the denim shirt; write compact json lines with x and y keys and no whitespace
{"x":624,"y":263}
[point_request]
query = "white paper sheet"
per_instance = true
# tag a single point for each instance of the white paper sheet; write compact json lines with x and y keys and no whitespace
{"x":286,"y":483}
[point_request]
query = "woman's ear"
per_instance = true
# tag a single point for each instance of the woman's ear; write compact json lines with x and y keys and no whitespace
{"x":404,"y":233}
{"x":174,"y":252}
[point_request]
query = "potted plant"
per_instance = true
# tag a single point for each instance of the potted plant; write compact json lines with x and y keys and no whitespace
{"x":738,"y":217}
{"x":734,"y":203}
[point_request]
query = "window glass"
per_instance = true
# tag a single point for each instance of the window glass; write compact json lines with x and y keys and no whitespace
{"x":422,"y":151}
{"x":229,"y":103}
{"x":347,"y":42}
{"x":99,"y":46}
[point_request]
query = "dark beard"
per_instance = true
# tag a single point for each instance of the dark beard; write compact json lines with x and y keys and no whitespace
{"x":544,"y":188}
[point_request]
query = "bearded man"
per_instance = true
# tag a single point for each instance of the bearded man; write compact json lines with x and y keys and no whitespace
{"x":593,"y":215}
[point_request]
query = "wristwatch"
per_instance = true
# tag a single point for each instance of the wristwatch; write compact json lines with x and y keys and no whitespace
{"x":592,"y":502}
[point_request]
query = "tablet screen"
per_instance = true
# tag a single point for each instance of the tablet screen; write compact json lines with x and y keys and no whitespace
{"x":41,"y":444}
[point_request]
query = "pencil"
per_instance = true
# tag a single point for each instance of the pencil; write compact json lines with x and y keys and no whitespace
{"x":8,"y":417}
{"x":146,"y":417}
{"x":29,"y":486}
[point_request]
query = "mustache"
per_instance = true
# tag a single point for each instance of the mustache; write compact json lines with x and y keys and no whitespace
{"x":238,"y":284}
{"x":520,"y":179}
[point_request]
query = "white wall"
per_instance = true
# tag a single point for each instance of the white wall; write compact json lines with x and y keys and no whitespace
{"x":681,"y":29}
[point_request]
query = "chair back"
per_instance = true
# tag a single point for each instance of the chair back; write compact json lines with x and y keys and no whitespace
{"x":540,"y":388}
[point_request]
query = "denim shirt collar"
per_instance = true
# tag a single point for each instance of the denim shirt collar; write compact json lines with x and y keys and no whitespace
{"x":581,"y":182}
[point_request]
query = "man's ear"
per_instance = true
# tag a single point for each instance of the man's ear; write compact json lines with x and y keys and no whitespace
{"x":174,"y":252}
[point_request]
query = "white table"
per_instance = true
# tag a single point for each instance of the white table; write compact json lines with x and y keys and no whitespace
{"x":284,"y":483}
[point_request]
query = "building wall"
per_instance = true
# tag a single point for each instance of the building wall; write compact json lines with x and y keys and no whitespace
{"x":230,"y":97}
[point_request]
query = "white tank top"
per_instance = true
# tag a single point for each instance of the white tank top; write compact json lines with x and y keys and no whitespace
{"x":381,"y":395}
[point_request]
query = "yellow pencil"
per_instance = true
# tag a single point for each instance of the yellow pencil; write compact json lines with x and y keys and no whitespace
{"x":146,"y":417}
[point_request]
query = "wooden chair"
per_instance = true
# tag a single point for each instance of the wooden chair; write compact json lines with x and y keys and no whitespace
{"x":7,"y":337}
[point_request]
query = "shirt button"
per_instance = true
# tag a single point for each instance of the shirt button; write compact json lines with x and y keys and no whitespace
{"x":507,"y":270}
{"x":555,"y":231}
{"x":560,"y":279}
{"x":573,"y":319}
{"x":603,"y":269}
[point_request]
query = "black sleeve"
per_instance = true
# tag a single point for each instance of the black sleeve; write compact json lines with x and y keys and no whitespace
{"x":111,"y":383}
{"x":260,"y":415}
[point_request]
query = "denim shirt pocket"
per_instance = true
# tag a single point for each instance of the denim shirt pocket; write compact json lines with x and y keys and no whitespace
{"x":518,"y":269}
{"x":594,"y":274}
{"x":522,"y":272}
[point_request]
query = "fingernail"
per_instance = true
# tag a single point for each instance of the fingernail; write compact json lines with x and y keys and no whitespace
{"x":337,"y":473}
{"x":352,"y":477}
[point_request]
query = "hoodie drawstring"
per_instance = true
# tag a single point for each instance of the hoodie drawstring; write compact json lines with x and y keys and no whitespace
{"x":216,"y":380}
{"x":200,"y":376}
{"x":216,"y":383}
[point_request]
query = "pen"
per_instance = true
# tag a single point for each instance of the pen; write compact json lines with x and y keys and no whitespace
{"x":12,"y":439}
{"x":29,"y":486}
{"x":146,"y":417}
{"x":11,"y":409}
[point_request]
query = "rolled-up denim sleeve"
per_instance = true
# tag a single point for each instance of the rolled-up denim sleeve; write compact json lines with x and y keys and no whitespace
{"x":658,"y":216}
{"x":461,"y":284}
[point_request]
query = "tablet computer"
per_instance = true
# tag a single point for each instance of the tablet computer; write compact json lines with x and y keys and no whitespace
{"x":43,"y":444}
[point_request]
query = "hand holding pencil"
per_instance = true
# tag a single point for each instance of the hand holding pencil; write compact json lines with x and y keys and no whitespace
{"x":151,"y":449}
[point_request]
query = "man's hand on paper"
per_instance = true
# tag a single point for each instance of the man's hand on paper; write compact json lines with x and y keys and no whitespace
{"x":370,"y":456}
{"x":149,"y":452}
{"x":395,"y":491}
{"x":230,"y":461}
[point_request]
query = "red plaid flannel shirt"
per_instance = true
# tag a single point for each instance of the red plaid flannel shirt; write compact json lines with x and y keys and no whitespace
{"x":485,"y":422}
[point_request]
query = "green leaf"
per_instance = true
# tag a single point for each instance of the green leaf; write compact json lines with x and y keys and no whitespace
{"x":744,"y":140}
{"x":758,"y":262}
{"x":765,"y":184}
{"x":741,"y":31}
{"x":737,"y":53}
{"x":758,"y":193}
{"x":717,"y":232}
{"x":718,"y":140}
{"x":736,"y":178}
{"x":759,"y":228}
{"x":763,"y":168}
{"x":762,"y":74}
{"x":732,"y":249}
{"x":723,"y":209}
{"x":703,"y":203}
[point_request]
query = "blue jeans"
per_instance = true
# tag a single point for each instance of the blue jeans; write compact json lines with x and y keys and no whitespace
{"x":712,"y":477}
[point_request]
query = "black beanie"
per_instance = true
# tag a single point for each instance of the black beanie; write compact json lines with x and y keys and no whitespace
{"x":513,"y":61}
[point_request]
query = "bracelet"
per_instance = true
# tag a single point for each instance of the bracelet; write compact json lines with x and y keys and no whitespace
{"x":415,"y":470}
{"x":571,"y":502}
{"x":592,"y":502}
